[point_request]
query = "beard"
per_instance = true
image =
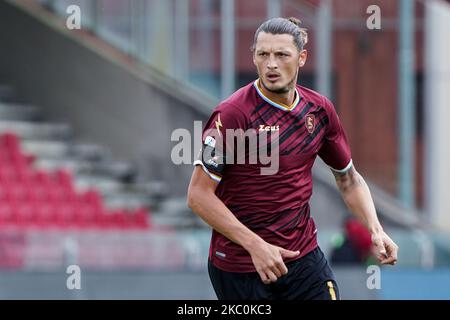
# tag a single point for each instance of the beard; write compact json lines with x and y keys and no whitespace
{"x":282,"y":90}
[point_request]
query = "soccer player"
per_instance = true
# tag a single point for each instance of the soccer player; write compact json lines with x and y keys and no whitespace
{"x":264,"y":242}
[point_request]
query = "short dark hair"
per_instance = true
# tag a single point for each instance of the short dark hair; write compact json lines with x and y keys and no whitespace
{"x":284,"y":26}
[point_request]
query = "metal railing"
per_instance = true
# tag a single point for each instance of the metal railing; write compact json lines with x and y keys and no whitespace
{"x":194,"y":41}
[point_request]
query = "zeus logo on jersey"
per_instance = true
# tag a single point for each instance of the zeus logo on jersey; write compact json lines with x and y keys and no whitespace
{"x":268,"y":128}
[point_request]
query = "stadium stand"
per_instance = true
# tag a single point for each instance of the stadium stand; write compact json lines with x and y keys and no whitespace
{"x":32,"y":197}
{"x":56,"y":191}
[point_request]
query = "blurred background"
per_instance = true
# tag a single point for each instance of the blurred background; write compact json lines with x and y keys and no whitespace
{"x":86,"y":123}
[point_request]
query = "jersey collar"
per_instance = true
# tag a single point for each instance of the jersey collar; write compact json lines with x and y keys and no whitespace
{"x":278,"y":105}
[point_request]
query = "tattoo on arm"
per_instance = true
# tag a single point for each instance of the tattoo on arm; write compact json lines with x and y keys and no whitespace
{"x":348,"y":180}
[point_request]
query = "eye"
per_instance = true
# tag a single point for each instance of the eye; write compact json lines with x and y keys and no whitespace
{"x":262,"y":54}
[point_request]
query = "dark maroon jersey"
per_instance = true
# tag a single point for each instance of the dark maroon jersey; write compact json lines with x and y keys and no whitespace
{"x":274,"y":206}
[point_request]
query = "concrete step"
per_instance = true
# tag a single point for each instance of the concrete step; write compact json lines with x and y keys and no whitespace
{"x":120,"y":170}
{"x":19,"y":112}
{"x":46,"y":149}
{"x":54,"y":152}
{"x":73,"y":165}
{"x":117,"y":170}
{"x":90,"y":151}
{"x":129,"y":200}
{"x":104,"y":185}
{"x":175,"y":212}
{"x":157,"y":190}
{"x":37,"y":130}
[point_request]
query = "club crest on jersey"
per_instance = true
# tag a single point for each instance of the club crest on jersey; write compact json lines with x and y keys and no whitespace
{"x":310,"y":123}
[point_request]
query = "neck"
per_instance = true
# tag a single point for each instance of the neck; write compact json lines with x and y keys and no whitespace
{"x":286,"y":98}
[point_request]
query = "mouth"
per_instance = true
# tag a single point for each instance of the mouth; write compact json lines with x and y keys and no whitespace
{"x":273,"y":77}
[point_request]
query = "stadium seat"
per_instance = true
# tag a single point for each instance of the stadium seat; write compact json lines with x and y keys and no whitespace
{"x":63,"y":177}
{"x":24,"y":215}
{"x":38,"y":198}
{"x":6,"y":215}
{"x":142,"y":221}
{"x":10,"y":141}
{"x":41,"y":177}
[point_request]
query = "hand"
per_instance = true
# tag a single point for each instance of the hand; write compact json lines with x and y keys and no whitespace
{"x":385,"y":249}
{"x":268,"y":261}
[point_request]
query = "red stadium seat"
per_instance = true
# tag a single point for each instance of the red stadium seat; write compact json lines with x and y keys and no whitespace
{"x":104,"y":220}
{"x":142,"y":219}
{"x":9,"y":140}
{"x":65,"y":216}
{"x":29,"y":158}
{"x":4,"y":155}
{"x":18,"y":159}
{"x":6,"y":215}
{"x":24,"y":215}
{"x":42,"y":177}
{"x":56,"y":194}
{"x":121,"y":219}
{"x":3,"y":193}
{"x":92,"y":198}
{"x":16,"y":192}
{"x":63,"y":177}
{"x":7,"y":173}
{"x":37,"y":193}
{"x":84,"y":216}
{"x":24,"y":175}
{"x":30,"y":197}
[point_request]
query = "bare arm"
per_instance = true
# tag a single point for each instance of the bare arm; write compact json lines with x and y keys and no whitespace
{"x":357,"y":197}
{"x":204,"y":202}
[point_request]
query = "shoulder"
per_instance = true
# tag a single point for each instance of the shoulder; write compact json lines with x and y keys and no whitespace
{"x":316,"y":98}
{"x":240,"y":103}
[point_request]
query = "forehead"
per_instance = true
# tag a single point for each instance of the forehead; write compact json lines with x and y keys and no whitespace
{"x":269,"y":41}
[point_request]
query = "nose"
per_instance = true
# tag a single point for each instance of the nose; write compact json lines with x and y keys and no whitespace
{"x":272,"y":63}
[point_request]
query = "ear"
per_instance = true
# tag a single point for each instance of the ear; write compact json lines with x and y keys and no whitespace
{"x":302,"y":58}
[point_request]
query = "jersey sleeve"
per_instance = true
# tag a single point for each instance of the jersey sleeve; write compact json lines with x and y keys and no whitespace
{"x":335,"y":150}
{"x":212,"y":156}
